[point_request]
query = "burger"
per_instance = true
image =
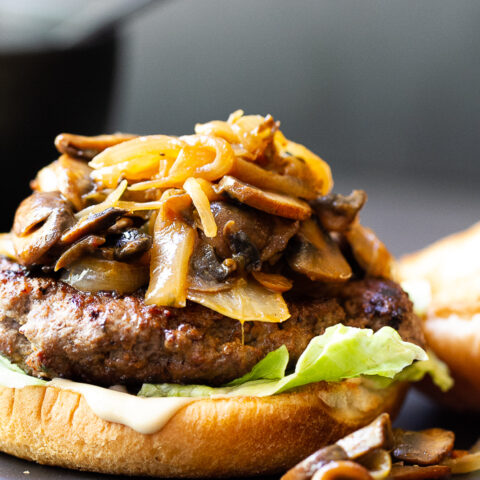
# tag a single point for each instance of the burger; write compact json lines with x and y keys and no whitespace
{"x":196,"y":306}
{"x":444,"y":282}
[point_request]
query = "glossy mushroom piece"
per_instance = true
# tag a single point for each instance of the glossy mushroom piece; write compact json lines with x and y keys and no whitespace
{"x":39,"y":223}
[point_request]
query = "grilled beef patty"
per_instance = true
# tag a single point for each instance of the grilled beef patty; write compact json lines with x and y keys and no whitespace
{"x":53,"y":330}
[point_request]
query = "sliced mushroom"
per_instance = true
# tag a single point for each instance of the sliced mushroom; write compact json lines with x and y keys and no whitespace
{"x":283,"y":231}
{"x":85,"y":148}
{"x":131,"y":244}
{"x":371,"y":254}
{"x":377,"y":434}
{"x":253,"y":174}
{"x":94,"y":223}
{"x":426,"y":447}
{"x":269,"y":202}
{"x":307,"y":468}
{"x":317,"y":256}
{"x":337,"y":212}
{"x":207,"y":273}
{"x":245,"y":253}
{"x":39,"y":223}
{"x":401,"y":472}
{"x":78,"y":249}
{"x":120,"y":225}
{"x":68,"y":176}
{"x":342,"y":470}
{"x":231,"y":219}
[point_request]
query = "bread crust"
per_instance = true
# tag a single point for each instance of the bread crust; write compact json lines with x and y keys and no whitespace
{"x":451,"y":325}
{"x":240,"y":436}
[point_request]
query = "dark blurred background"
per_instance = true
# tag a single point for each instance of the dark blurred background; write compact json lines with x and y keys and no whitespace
{"x":388,"y":92}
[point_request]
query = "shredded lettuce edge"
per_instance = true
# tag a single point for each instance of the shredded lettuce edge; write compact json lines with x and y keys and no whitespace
{"x":397,"y":361}
{"x":340,"y":353}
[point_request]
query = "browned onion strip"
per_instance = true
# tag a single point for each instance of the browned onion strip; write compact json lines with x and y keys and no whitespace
{"x":173,"y":242}
{"x":464,"y":464}
{"x":369,"y":251}
{"x":95,"y":274}
{"x":341,"y":470}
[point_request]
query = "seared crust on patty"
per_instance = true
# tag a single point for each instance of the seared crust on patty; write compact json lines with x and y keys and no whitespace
{"x":50,"y":329}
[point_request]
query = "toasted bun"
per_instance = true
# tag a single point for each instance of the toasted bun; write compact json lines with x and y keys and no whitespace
{"x":239,"y":436}
{"x":451,"y":325}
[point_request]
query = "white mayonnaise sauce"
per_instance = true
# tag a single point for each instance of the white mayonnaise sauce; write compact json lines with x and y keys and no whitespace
{"x":144,"y":415}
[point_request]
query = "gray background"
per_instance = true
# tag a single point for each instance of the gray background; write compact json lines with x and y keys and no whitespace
{"x":388,"y":92}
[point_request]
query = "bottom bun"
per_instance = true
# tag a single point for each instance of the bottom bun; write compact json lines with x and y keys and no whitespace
{"x":224,"y":437}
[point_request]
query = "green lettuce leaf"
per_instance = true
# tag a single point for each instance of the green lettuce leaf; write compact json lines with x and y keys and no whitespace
{"x":13,"y":376}
{"x":434,"y":367}
{"x":340,"y":353}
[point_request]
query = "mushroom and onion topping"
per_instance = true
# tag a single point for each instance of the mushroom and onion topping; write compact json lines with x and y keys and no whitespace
{"x":377,"y":452}
{"x":229,"y":217}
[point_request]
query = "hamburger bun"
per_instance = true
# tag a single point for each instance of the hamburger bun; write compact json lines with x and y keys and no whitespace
{"x":207,"y":438}
{"x":450,"y":268}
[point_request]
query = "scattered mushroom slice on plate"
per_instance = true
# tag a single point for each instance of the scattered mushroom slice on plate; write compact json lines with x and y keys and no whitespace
{"x":414,"y":472}
{"x":427,"y":447}
{"x":377,"y":434}
{"x":269,"y":202}
{"x":307,"y":468}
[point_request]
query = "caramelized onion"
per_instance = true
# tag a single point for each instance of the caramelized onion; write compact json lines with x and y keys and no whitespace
{"x":378,"y":463}
{"x":94,"y":274}
{"x":109,"y":202}
{"x":173,"y":242}
{"x":162,"y":146}
{"x":253,"y":133}
{"x":464,"y":464}
{"x":202,"y":204}
{"x":136,"y":169}
{"x":245,"y":301}
{"x":320,"y":169}
{"x":266,"y":179}
{"x":342,"y":470}
{"x":369,"y":251}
